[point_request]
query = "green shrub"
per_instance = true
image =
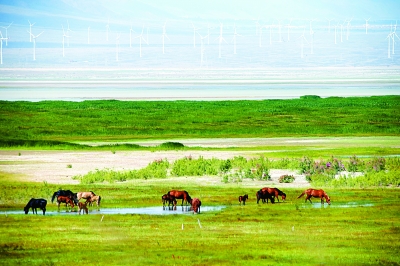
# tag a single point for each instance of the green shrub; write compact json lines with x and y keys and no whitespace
{"x":286,"y":179}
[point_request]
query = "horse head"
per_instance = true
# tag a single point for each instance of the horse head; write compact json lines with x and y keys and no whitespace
{"x":328,"y":200}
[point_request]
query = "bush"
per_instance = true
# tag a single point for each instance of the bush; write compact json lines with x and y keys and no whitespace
{"x":286,"y":179}
{"x":172,"y":145}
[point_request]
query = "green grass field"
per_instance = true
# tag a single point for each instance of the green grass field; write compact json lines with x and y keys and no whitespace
{"x":287,"y":233}
{"x":361,"y":227}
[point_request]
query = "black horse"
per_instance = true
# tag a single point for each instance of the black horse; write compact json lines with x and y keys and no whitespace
{"x":34,"y":204}
{"x":66,"y":193}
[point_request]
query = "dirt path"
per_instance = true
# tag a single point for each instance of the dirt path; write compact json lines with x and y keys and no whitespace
{"x":58,"y":167}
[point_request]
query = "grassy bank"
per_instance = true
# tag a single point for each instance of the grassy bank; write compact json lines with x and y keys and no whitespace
{"x":281,"y":234}
{"x":120,"y":120}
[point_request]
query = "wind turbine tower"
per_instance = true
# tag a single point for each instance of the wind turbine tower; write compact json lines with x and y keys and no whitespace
{"x":34,"y":44}
{"x":288,"y":30}
{"x":1,"y":47}
{"x":68,"y":30}
{"x":194,"y":35}
{"x":366,"y":25}
{"x":163,"y":37}
{"x":140,"y":41}
{"x":393,"y":42}
{"x":107,"y":29}
{"x":303,"y":38}
{"x":235,"y":34}
{"x":202,"y":48}
{"x":64,"y":36}
{"x":130,"y":36}
{"x":348,"y":29}
{"x":280,"y":31}
{"x":117,"y":47}
{"x":388,"y":37}
{"x":6,"y":38}
{"x":220,"y":39}
{"x":30,"y":30}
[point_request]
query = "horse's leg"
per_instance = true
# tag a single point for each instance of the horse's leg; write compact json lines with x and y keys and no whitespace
{"x":308,"y":198}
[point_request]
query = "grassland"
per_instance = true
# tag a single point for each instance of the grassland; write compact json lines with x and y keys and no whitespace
{"x":361,"y":227}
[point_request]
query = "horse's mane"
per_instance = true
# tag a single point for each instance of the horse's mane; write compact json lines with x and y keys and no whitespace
{"x":92,"y":192}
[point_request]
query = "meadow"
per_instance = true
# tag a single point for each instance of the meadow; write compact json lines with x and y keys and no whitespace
{"x":360,"y":227}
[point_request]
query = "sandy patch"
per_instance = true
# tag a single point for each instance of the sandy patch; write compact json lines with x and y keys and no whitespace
{"x":53,"y":166}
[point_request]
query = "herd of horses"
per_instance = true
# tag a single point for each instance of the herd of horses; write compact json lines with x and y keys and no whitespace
{"x":170,"y":198}
{"x":69,"y":198}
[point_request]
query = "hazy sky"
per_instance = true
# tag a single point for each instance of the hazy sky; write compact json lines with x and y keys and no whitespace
{"x":203,"y":9}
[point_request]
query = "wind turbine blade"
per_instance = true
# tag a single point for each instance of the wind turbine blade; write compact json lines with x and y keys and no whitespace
{"x":39,"y":34}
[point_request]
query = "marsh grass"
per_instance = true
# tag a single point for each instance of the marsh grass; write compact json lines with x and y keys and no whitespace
{"x":284,"y":233}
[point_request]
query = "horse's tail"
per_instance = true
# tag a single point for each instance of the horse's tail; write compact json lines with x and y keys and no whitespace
{"x":54,"y":196}
{"x":302,"y":194}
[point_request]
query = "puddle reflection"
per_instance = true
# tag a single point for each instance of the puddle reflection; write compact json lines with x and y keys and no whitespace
{"x":145,"y":210}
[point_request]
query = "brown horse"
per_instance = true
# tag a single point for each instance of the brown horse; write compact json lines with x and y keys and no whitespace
{"x":243,"y":199}
{"x":180,"y":194}
{"x":264,"y":195}
{"x":95,"y":199}
{"x":196,"y":203}
{"x":316,"y":194}
{"x":85,"y":195}
{"x":65,"y":199}
{"x":82,"y":206}
{"x":168,"y":198}
{"x":274,"y":192}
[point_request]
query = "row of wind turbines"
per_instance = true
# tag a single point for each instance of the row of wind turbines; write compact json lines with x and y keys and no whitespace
{"x":66,"y":35}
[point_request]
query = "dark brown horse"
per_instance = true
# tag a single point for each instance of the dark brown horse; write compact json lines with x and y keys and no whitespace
{"x":67,"y":193}
{"x":34,"y":204}
{"x":196,"y":203}
{"x":65,"y":199}
{"x":243,"y":199}
{"x":316,"y":193}
{"x":181,"y":194}
{"x":263,"y":195}
{"x":168,"y":199}
{"x":274,"y":192}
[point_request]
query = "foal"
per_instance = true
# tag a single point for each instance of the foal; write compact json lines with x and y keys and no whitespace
{"x":82,"y":206}
{"x":243,"y":198}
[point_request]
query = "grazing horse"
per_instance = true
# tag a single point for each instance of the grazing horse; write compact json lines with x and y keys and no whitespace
{"x":66,"y":200}
{"x":168,"y":198}
{"x":85,"y":195}
{"x":263,"y":195}
{"x":196,"y":203}
{"x":96,"y":199}
{"x":36,"y":203}
{"x":66,"y":193}
{"x":243,"y":198}
{"x":180,"y":194}
{"x":316,"y":194}
{"x":82,"y":206}
{"x":274,"y":192}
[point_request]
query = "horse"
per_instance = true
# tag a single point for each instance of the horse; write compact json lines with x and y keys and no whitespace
{"x":82,"y":206}
{"x":196,"y":203}
{"x":168,"y":198}
{"x":243,"y":198}
{"x":316,"y":193}
{"x":274,"y":192}
{"x":67,"y":193}
{"x":66,"y":200}
{"x":96,"y":199}
{"x":264,"y":195}
{"x":85,"y":195}
{"x":36,"y":203}
{"x":181,"y":194}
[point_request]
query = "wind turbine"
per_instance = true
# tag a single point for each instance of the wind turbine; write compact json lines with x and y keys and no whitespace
{"x":163,"y":36}
{"x":1,"y":47}
{"x":220,"y":39}
{"x":202,"y":48}
{"x":117,"y":46}
{"x":260,"y":35}
{"x":68,"y":30}
{"x":6,"y":32}
{"x":140,"y":41}
{"x":329,"y":25}
{"x":288,"y":30}
{"x":30,"y":30}
{"x":303,"y":38}
{"x":347,"y":27}
{"x":88,"y":35}
{"x":335,"y":32}
{"x":393,"y":42}
{"x":388,"y":37}
{"x":366,"y":25}
{"x":130,"y":36}
{"x":194,"y":35}
{"x":64,"y":36}
{"x":107,"y":29}
{"x":312,"y":41}
{"x":258,"y":26}
{"x":235,"y":34}
{"x":311,"y":30}
{"x":34,"y":44}
{"x":280,"y":32}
